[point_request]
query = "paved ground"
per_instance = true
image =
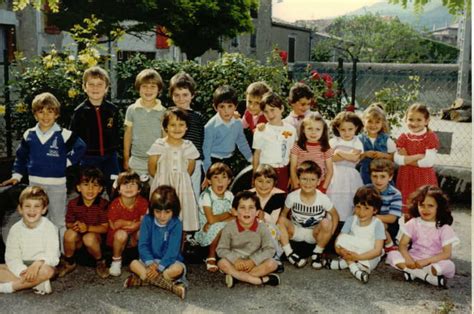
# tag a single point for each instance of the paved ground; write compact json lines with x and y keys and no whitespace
{"x":302,"y":290}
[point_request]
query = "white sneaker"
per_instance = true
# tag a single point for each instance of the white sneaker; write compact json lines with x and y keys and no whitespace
{"x":43,"y":288}
{"x":115,"y":268}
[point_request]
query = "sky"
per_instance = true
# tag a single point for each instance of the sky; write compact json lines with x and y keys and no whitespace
{"x":291,"y":10}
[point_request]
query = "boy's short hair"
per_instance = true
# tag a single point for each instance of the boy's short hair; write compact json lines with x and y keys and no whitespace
{"x":45,"y":100}
{"x":182,"y":80}
{"x":298,"y":91}
{"x":129,"y":176}
{"x":368,"y":195}
{"x":267,"y":171}
{"x":180,"y":114}
{"x":149,"y":76}
{"x":382,"y":165}
{"x":309,"y":166}
{"x":91,"y":174}
{"x":273,"y":100}
{"x":164,"y":197}
{"x":258,"y":89}
{"x":218,"y":168}
{"x":33,"y":193}
{"x":246,"y":195}
{"x":96,"y":72}
{"x":224,"y":94}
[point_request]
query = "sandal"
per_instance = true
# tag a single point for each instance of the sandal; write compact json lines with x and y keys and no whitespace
{"x":407,"y":276}
{"x":337,"y":264}
{"x":296,"y":260}
{"x":273,"y":280}
{"x":362,"y":275}
{"x":316,"y":261}
{"x":211,"y":267}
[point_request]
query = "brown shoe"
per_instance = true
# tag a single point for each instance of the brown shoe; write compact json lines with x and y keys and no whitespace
{"x":133,"y":281}
{"x":65,"y":268}
{"x":101,"y":269}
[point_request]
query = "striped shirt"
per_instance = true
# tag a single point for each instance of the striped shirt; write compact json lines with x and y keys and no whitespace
{"x":94,"y":215}
{"x":313,"y":152}
{"x":308,"y":215}
{"x":391,"y":201}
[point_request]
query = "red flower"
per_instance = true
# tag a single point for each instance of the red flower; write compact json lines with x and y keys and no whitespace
{"x":315,"y":75}
{"x":329,"y":93}
{"x":326,"y":77}
{"x":284,"y":56}
{"x":328,"y":84}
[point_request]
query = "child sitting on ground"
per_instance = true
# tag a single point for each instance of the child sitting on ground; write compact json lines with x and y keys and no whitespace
{"x":360,"y":243}
{"x":313,"y":217}
{"x":161,"y":263}
{"x":381,"y":174}
{"x":125,"y":214}
{"x":86,"y":222}
{"x":246,"y":247}
{"x":215,"y":204}
{"x":32,"y":248}
{"x":431,"y":236}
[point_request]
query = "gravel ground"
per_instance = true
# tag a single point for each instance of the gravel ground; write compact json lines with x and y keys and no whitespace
{"x":301,"y":290}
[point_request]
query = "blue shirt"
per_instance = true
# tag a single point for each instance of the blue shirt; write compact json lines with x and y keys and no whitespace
{"x":220,"y":139}
{"x":391,"y":201}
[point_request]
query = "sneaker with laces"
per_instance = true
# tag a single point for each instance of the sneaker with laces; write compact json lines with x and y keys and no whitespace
{"x":101,"y":269}
{"x":116,"y":268}
{"x":65,"y":269}
{"x":43,"y":288}
{"x":316,"y":261}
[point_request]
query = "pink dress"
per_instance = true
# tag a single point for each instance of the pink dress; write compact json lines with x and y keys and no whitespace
{"x":173,"y":170}
{"x":427,"y":241}
{"x":410,"y":178}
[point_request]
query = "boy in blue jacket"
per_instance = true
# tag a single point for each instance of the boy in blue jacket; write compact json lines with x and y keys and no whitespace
{"x":159,"y":245}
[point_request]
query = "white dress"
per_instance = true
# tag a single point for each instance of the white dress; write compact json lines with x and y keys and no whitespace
{"x":346,"y":179}
{"x":173,"y":170}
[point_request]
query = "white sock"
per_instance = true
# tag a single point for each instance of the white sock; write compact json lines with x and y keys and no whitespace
{"x":6,"y":287}
{"x":339,"y":264}
{"x":318,"y":249}
{"x":287,"y":249}
{"x":389,"y":244}
{"x":353,"y":268}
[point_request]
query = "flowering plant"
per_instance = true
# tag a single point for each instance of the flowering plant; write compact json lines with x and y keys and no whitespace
{"x":324,"y":89}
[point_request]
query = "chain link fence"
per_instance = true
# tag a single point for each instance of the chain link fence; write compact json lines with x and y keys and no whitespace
{"x":437,"y":83}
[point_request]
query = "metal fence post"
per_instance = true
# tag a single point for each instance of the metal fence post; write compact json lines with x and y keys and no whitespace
{"x":8,"y":120}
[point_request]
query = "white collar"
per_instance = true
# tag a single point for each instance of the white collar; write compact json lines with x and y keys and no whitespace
{"x":419,"y":133}
{"x":158,"y":106}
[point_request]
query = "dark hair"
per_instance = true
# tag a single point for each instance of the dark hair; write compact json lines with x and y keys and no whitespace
{"x":246,"y":195}
{"x":129,"y":176}
{"x":369,"y":196}
{"x":273,"y":100}
{"x":218,"y":168}
{"x":96,"y":72}
{"x":309,"y":166}
{"x":91,"y":174}
{"x":382,"y":165}
{"x":267,"y":171}
{"x":179,"y":113}
{"x":182,"y":80}
{"x":298,"y":91}
{"x":224,"y":94}
{"x":149,"y":76}
{"x":33,"y":193}
{"x":323,"y":141}
{"x":421,"y":108}
{"x":443,"y":211}
{"x":346,"y":116}
{"x":164,"y":197}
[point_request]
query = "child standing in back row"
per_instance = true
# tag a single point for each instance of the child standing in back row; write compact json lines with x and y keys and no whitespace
{"x":253,"y":115}
{"x":313,"y":144}
{"x":416,"y":153}
{"x":300,"y":99}
{"x":143,"y":122}
{"x":171,"y":161}
{"x":347,"y":150}
{"x":376,"y":140}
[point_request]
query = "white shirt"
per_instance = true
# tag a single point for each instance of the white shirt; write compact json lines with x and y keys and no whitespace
{"x":275,"y":143}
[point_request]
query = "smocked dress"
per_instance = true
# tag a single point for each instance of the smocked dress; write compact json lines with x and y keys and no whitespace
{"x":346,"y":179}
{"x":173,"y":170}
{"x":409,"y":177}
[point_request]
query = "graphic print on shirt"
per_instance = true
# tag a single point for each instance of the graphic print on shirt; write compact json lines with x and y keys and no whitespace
{"x":53,"y":148}
{"x":307,"y":216}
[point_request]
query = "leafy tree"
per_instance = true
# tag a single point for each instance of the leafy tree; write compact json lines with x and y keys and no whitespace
{"x":454,"y":6}
{"x":373,"y":38}
{"x":193,"y":25}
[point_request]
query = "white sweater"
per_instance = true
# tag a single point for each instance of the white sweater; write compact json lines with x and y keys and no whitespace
{"x":26,"y":244}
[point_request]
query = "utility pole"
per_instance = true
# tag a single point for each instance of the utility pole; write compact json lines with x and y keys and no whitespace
{"x":464,"y":44}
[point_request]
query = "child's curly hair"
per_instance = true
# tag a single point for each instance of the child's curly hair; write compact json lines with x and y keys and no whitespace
{"x":443,"y":211}
{"x":346,"y":116}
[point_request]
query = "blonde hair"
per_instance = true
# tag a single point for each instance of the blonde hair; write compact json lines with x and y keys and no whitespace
{"x":258,"y":89}
{"x":33,"y":193}
{"x":96,"y":72}
{"x":421,"y":108}
{"x":375,"y":111}
{"x":45,"y":100}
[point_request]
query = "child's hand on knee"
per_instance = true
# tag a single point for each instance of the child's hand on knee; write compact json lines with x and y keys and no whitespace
{"x":31,"y":273}
{"x":239,"y":265}
{"x":152,"y":271}
{"x":249,"y":265}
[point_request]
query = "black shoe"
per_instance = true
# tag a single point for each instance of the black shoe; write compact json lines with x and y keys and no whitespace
{"x":273,"y":280}
{"x":280,"y":268}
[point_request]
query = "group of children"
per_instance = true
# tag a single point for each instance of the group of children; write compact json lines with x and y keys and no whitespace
{"x":328,"y":196}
